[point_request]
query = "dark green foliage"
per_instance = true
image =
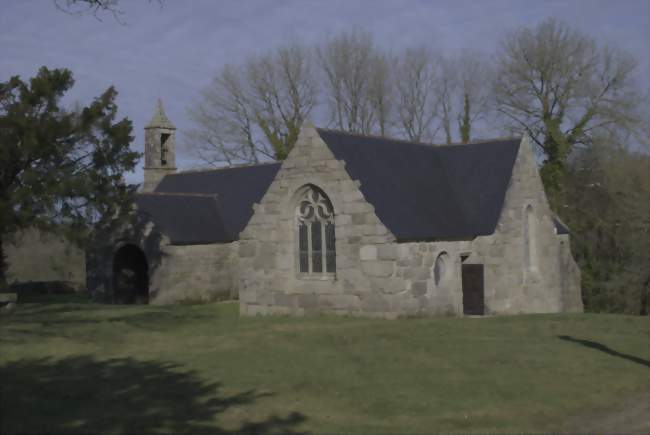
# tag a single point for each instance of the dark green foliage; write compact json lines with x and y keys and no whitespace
{"x":564,"y":90}
{"x":60,"y":170}
{"x":608,"y":209}
{"x":580,"y":104}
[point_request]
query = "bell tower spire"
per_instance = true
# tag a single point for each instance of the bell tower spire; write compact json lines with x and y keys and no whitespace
{"x":159,"y":148}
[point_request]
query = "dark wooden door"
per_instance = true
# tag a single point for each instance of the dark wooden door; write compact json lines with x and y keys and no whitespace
{"x":473,"y":301}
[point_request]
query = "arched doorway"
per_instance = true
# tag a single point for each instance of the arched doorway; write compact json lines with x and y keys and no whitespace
{"x":130,"y":276}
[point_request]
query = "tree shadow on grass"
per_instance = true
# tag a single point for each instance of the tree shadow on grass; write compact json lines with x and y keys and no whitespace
{"x":83,"y":395}
{"x":603,"y":348}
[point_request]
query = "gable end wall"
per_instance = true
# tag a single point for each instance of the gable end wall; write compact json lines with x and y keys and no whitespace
{"x":375,"y":276}
{"x":553,"y":284}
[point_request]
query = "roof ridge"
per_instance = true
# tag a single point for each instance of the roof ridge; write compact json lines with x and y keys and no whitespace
{"x":427,"y":144}
{"x":224,"y":168}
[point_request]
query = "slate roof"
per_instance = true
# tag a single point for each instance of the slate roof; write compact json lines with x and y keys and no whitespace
{"x":187,"y":219}
{"x":425,"y":192}
{"x":419,"y":191}
{"x":223,"y":196}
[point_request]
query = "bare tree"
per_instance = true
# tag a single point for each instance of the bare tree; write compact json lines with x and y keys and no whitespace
{"x":558,"y":86}
{"x":224,"y":130}
{"x":254,"y":112}
{"x":464,"y":89}
{"x":381,"y":92}
{"x":416,"y":94}
{"x":357,"y":85}
{"x":83,"y":6}
{"x":95,"y":7}
{"x":283,"y":92}
{"x":474,"y":92}
{"x":446,"y":90}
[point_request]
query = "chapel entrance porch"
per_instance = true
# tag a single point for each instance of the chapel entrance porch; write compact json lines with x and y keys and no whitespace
{"x":130,"y":276}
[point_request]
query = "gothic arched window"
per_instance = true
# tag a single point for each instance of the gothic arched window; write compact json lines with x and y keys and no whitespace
{"x":316,"y":240}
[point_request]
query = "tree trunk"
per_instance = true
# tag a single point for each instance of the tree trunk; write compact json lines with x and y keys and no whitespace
{"x":553,"y":170}
{"x":446,"y":123}
{"x":466,"y":123}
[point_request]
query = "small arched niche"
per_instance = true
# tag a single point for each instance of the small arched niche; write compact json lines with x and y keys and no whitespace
{"x":130,"y":276}
{"x":441,"y":268}
{"x":530,"y":240}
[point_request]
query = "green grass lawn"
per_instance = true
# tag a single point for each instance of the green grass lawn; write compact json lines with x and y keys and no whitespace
{"x":88,"y":368}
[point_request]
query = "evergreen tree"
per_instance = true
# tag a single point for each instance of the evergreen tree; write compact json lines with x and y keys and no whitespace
{"x":60,"y":170}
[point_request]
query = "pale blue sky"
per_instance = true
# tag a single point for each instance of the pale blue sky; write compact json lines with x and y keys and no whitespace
{"x":173,"y":51}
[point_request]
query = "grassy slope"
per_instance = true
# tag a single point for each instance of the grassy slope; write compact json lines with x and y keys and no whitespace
{"x":155,"y":369}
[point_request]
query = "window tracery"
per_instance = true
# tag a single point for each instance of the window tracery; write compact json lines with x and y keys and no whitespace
{"x":316,"y":237}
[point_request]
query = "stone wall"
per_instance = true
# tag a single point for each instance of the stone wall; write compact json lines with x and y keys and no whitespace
{"x":177,"y":273}
{"x":269,"y":282}
{"x":34,"y":256}
{"x":376,"y":276}
{"x":510,"y":286}
{"x":194,"y":273}
{"x":570,"y":278}
{"x":412,"y":287}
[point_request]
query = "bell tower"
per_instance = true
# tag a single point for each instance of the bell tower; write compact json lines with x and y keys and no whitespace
{"x":159,"y":148}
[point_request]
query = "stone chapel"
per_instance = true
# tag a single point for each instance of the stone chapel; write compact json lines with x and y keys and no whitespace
{"x":348,"y":224}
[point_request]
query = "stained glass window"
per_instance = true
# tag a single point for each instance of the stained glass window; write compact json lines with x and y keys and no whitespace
{"x":316,"y":237}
